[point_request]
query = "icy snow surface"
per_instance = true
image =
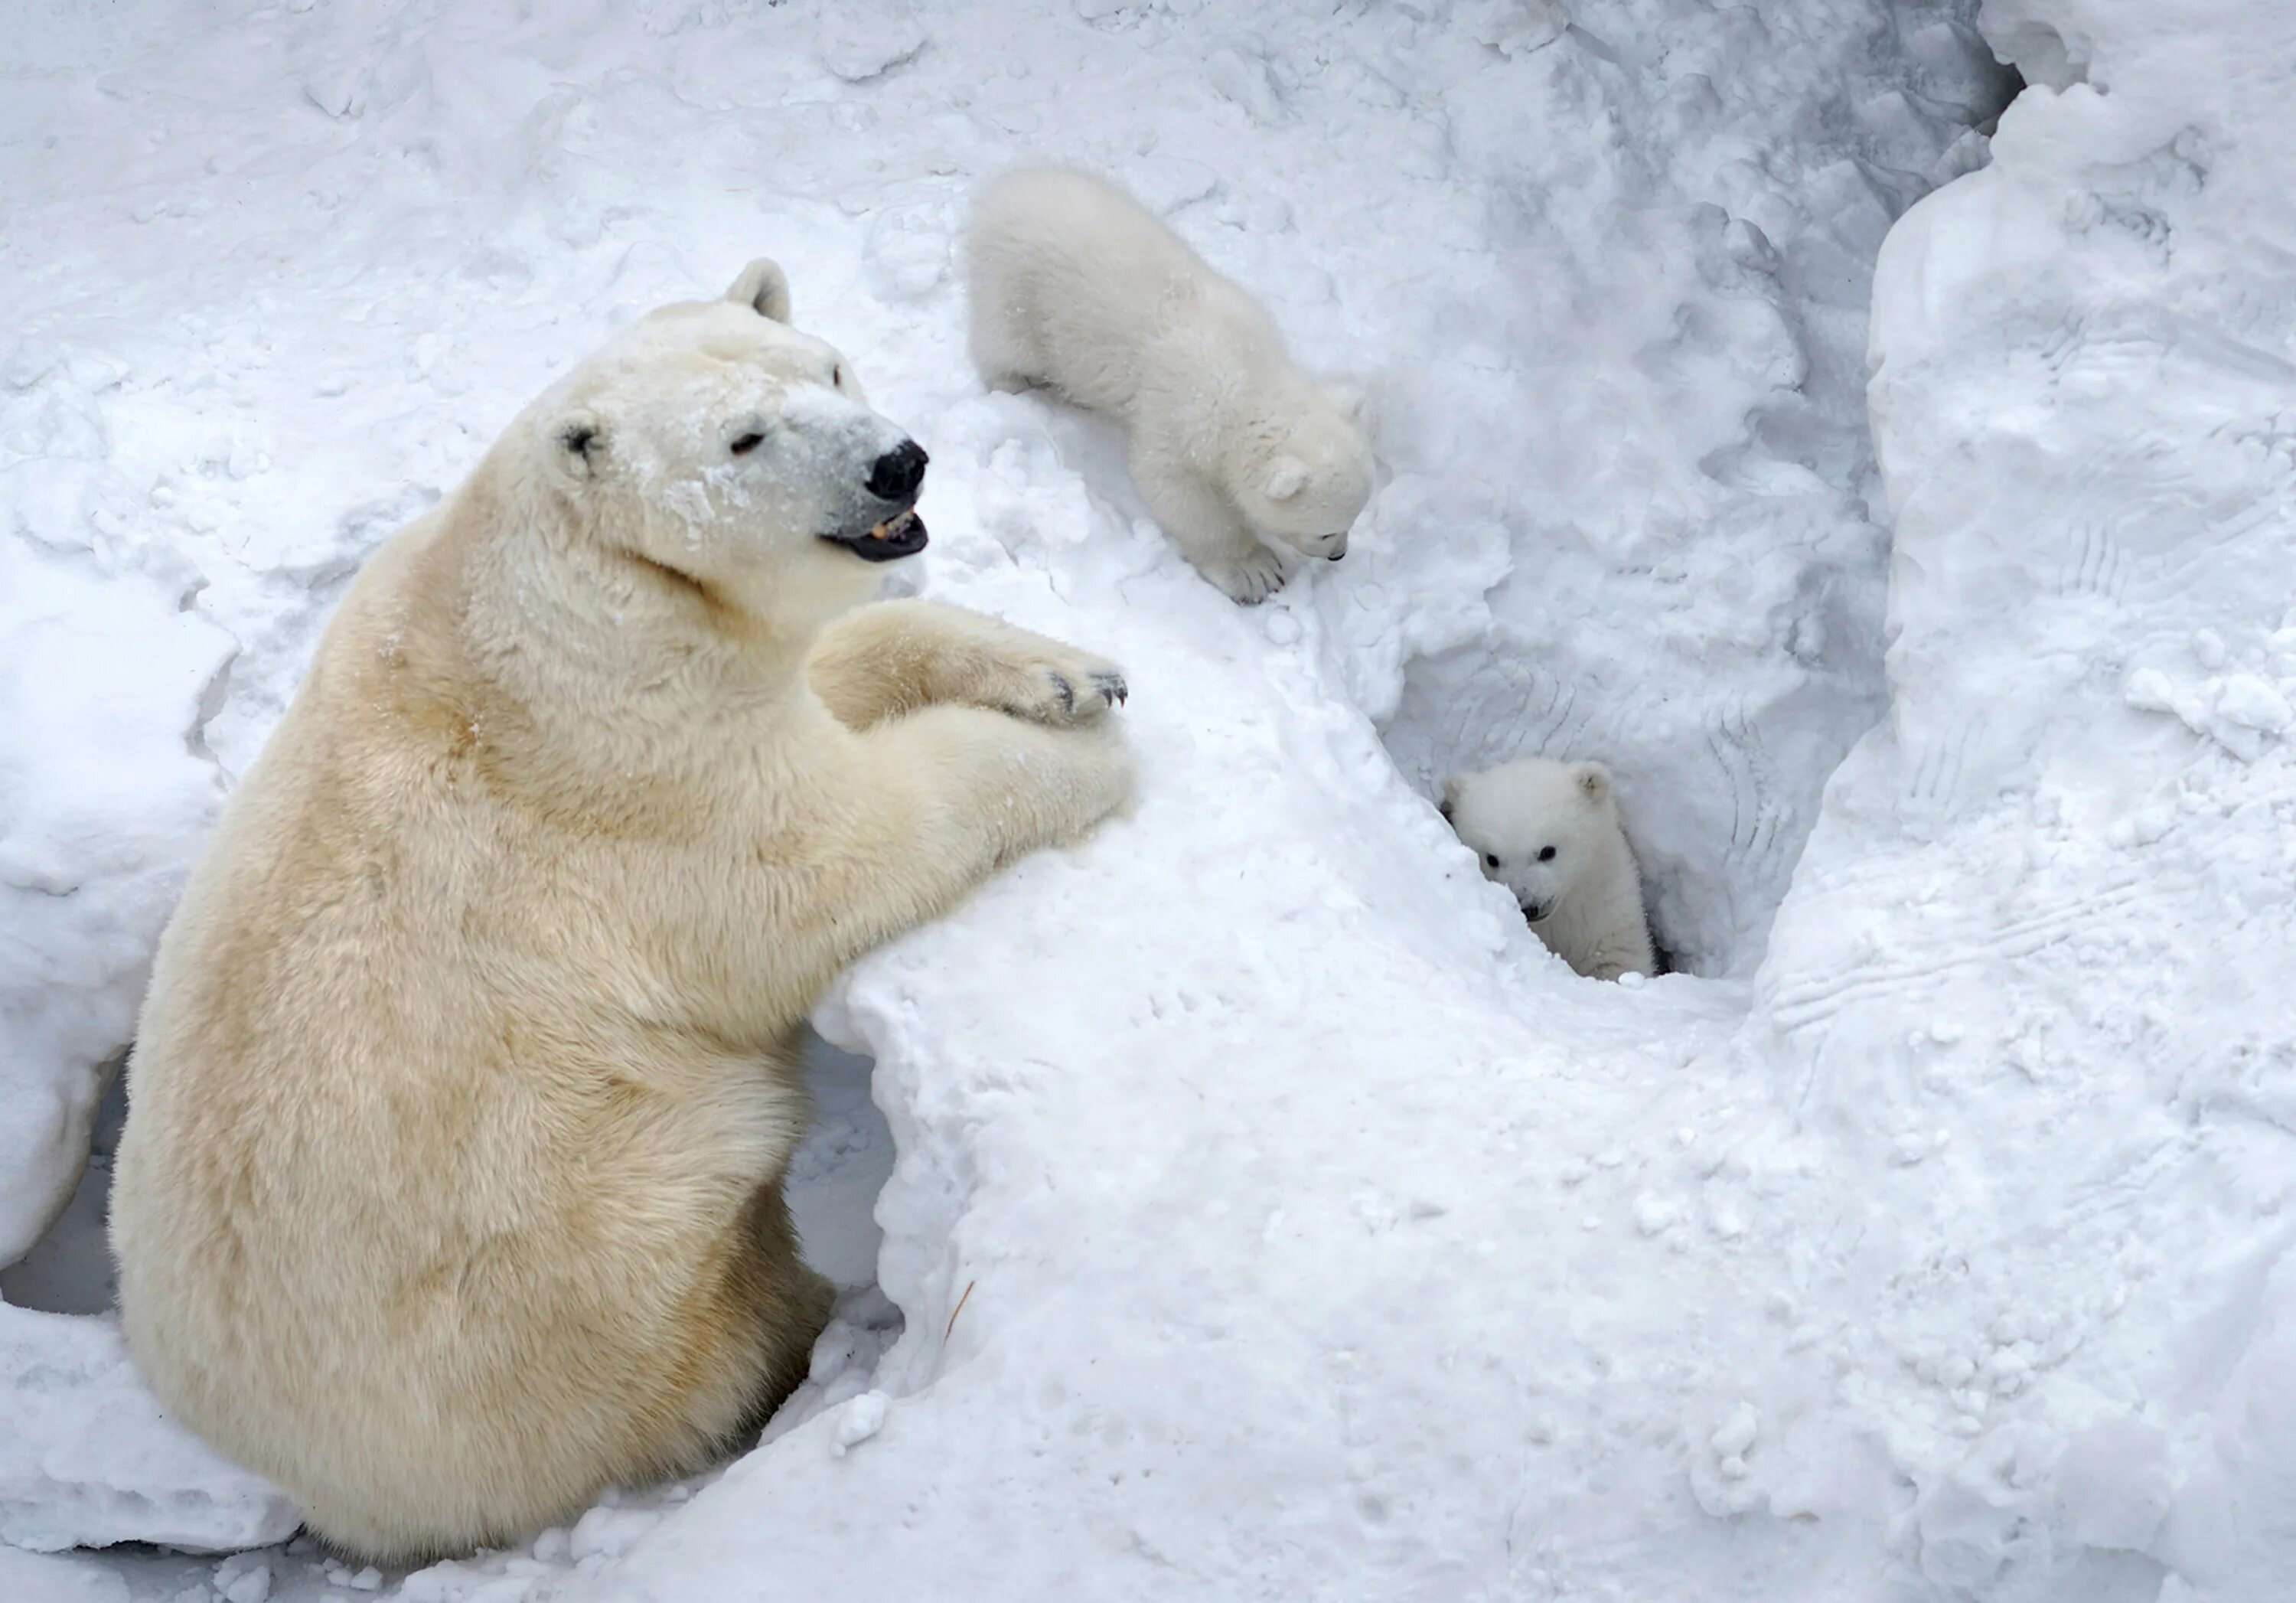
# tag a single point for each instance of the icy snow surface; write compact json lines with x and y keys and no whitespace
{"x":1271,"y":1217}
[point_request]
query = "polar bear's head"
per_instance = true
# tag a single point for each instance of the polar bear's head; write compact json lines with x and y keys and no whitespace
{"x":1306,"y":483}
{"x":719,"y":446}
{"x":1538,"y":826}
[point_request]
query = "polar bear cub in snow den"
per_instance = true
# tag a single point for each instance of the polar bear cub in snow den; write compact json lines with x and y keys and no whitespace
{"x":451,"y":1188}
{"x":1077,"y":286}
{"x":1549,"y":832}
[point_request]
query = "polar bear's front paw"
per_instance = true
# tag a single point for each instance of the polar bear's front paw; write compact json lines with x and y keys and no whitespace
{"x":1249,"y":579}
{"x":1063,"y":687}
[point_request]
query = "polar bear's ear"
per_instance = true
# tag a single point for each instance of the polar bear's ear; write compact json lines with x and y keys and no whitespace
{"x":765,"y":287}
{"x":1453,"y":784}
{"x":1594,"y":779}
{"x":1287,"y":476}
{"x":577,"y":445}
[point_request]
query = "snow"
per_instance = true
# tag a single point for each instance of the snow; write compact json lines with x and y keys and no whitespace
{"x":87,"y":1459}
{"x":1267,"y":1213}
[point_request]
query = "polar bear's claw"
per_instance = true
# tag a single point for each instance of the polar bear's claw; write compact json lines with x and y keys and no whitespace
{"x":1074,"y":690}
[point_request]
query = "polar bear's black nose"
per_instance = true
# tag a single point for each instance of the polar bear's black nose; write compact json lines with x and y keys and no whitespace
{"x":896,"y":475}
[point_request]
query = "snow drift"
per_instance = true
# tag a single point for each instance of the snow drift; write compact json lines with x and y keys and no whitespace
{"x":1272,"y":1217}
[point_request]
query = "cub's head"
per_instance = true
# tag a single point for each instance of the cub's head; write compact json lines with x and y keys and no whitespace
{"x":1535,"y":825}
{"x":1306,"y":487}
{"x":723,"y":450}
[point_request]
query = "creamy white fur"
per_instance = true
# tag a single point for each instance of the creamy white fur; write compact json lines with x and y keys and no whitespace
{"x":450,"y":1192}
{"x":1549,"y":832}
{"x":1075,"y":286}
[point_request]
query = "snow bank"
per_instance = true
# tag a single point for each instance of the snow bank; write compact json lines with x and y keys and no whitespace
{"x":1271,"y":1216}
{"x":2031,"y":982}
{"x":104,"y":798}
{"x":86,"y":1457}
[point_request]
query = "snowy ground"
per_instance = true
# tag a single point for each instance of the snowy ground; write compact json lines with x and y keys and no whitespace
{"x":1927,"y":1240}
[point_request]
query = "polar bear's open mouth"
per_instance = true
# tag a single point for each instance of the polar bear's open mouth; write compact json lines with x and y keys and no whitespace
{"x":902,"y":536}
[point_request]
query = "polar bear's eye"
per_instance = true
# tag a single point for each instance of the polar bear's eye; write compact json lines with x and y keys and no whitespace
{"x":746,"y":444}
{"x":1490,"y":860}
{"x":1547,"y":854}
{"x":836,"y":377}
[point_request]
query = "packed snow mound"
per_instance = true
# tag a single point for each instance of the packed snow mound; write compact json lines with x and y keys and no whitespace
{"x":2032,"y":980}
{"x":1271,"y":1215}
{"x":87,"y":1459}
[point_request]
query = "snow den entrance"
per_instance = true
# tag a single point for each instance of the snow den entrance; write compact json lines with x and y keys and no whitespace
{"x":68,"y":1270}
{"x":844,"y":1162}
{"x":1661,"y":476}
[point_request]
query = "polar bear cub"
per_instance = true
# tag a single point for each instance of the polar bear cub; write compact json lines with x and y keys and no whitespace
{"x":1549,"y":832}
{"x":1075,"y":286}
{"x":451,"y":1188}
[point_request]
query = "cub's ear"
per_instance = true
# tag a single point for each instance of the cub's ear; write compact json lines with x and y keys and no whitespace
{"x":577,"y":446}
{"x":1287,"y":476}
{"x":1453,"y":784}
{"x":1594,"y":779}
{"x":764,"y":287}
{"x":1351,"y":400}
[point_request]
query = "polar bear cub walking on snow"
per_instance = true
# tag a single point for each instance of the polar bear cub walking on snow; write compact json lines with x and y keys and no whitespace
{"x":1549,"y":832}
{"x":1077,"y":286}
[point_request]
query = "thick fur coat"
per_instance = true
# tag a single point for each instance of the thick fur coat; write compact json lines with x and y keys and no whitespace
{"x":1240,"y":458}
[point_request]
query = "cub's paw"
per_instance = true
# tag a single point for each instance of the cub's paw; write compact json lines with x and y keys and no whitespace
{"x":1009,"y":380}
{"x":1249,"y":579}
{"x":1061,"y":687}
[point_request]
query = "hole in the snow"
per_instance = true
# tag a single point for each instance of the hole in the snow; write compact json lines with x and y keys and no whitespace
{"x":68,"y":1270}
{"x":1678,"y":461}
{"x":845,"y":1160}
{"x":835,"y":1176}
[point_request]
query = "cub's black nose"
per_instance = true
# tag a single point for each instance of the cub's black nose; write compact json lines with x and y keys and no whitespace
{"x":896,"y":475}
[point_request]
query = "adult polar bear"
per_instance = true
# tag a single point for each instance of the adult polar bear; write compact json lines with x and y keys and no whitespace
{"x":451,"y":1188}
